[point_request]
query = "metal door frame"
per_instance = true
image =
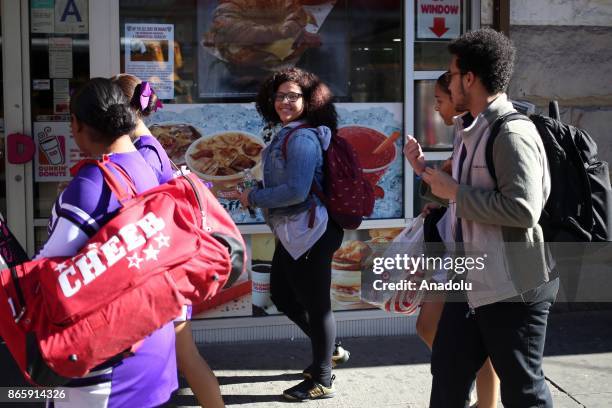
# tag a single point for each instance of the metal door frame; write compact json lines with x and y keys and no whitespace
{"x":15,"y":69}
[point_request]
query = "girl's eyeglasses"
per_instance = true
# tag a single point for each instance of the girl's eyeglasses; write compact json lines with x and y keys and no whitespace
{"x":290,"y":96}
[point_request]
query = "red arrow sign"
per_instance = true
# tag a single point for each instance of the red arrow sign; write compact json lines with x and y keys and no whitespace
{"x":439,"y":26}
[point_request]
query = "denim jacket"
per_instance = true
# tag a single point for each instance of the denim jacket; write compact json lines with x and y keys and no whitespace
{"x":287,"y":182}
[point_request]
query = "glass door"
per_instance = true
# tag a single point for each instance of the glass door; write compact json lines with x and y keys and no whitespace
{"x":58,"y":64}
{"x":45,"y":57}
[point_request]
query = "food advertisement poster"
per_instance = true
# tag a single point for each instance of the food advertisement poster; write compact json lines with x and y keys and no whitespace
{"x":250,"y":296}
{"x":239,"y":46}
{"x":219,"y":142}
{"x":56,"y":151}
{"x":346,"y":268}
{"x":149,"y":54}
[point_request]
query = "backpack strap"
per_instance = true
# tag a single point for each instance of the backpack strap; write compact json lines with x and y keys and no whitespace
{"x":495,"y":128}
{"x":313,"y":187}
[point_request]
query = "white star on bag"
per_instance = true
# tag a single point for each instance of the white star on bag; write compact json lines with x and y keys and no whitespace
{"x":134,"y":261}
{"x":150,"y":252}
{"x":162,"y":240}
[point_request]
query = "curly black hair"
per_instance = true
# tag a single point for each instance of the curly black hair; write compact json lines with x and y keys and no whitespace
{"x":318,"y":98}
{"x":488,"y":54}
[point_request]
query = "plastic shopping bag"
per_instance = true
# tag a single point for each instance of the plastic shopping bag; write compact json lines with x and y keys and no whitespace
{"x":391,"y":281}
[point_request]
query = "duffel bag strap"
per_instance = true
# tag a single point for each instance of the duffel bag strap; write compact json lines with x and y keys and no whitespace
{"x":117,"y":188}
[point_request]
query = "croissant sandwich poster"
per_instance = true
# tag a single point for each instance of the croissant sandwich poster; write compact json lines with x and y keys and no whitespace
{"x":241,"y":42}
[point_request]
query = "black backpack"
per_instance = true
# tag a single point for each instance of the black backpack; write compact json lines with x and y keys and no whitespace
{"x":579,"y":208}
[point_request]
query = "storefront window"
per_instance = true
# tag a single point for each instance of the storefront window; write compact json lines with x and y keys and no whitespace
{"x":437,"y":23}
{"x":59,"y":64}
{"x":430,"y":130}
{"x":207,"y":59}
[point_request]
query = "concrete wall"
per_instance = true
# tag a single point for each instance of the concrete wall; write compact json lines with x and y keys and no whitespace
{"x":564,"y":52}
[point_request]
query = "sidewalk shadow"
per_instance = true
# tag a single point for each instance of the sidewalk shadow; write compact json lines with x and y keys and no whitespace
{"x":251,"y":399}
{"x":250,"y":379}
{"x":287,"y":356}
{"x":190,"y":400}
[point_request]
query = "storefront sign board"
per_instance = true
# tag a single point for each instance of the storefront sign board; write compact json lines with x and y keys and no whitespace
{"x":149,"y":54}
{"x":438,"y":19}
{"x":71,"y":17}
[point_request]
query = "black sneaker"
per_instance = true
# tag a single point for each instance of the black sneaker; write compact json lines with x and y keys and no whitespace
{"x":310,"y":390}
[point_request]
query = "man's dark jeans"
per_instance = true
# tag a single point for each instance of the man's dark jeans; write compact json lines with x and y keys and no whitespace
{"x":511,"y":333}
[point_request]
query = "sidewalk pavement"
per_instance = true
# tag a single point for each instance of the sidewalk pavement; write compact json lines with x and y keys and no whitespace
{"x":394,"y":371}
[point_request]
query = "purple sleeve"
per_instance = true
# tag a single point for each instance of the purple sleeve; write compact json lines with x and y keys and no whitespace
{"x":156,"y":157}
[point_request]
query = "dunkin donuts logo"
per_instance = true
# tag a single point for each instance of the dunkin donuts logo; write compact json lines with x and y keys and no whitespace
{"x":85,"y":268}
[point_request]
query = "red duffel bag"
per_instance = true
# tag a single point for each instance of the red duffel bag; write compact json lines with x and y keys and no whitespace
{"x":169,"y":246}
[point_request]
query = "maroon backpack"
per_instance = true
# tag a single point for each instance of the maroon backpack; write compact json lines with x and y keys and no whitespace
{"x":346,"y":194}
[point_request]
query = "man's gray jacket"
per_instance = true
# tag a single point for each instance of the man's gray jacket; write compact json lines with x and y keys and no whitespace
{"x":501,"y":221}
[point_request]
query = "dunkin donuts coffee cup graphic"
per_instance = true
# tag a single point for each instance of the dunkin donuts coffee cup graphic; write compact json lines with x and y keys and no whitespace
{"x":260,"y":277}
{"x":52,"y":148}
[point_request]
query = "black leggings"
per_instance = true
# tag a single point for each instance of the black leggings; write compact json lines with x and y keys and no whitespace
{"x":300,"y":289}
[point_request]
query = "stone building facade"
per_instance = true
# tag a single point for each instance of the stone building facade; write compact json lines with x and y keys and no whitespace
{"x":564,"y":52}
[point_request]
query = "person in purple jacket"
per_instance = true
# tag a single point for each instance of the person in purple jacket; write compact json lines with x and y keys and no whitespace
{"x":101,"y":123}
{"x":143,"y":101}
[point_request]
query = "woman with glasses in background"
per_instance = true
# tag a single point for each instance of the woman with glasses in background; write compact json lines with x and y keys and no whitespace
{"x":306,"y":237}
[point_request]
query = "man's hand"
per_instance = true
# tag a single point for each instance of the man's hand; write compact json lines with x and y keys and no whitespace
{"x":244,"y":197}
{"x":414,"y":154}
{"x":442,"y":185}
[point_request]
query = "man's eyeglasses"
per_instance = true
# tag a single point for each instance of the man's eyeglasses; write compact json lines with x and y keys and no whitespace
{"x":449,"y":75}
{"x":290,"y":96}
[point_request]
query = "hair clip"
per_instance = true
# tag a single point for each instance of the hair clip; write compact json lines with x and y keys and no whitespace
{"x":145,"y":95}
